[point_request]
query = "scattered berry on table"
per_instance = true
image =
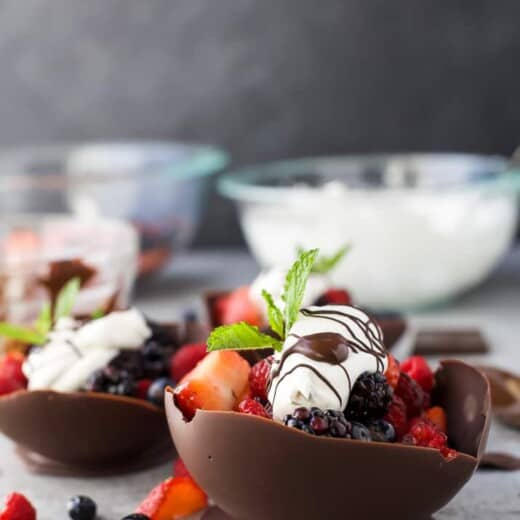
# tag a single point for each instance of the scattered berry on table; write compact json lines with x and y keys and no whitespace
{"x":334,"y":297}
{"x":81,"y":508}
{"x":156,"y":390}
{"x":437,"y":416}
{"x":186,"y":359}
{"x":370,"y":397}
{"x":381,"y":430}
{"x":16,"y":506}
{"x":253,"y":407}
{"x":111,"y":381}
{"x":412,"y":395}
{"x":417,"y":368}
{"x":397,"y":417}
{"x":360,"y":432}
{"x":259,"y":378}
{"x":392,"y":371}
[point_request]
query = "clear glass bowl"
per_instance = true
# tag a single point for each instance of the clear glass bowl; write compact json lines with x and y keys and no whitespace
{"x":36,"y":249}
{"x":424,"y":227}
{"x":158,"y":186}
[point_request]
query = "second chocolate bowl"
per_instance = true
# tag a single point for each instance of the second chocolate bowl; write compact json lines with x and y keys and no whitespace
{"x":255,"y":468}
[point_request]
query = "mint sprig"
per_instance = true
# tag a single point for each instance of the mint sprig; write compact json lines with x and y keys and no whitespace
{"x":241,"y":336}
{"x":274,"y":315}
{"x":37,"y":335}
{"x":326,"y":263}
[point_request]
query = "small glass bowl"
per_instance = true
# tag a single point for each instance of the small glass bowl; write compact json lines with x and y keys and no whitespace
{"x":36,"y":246}
{"x":423,"y":227}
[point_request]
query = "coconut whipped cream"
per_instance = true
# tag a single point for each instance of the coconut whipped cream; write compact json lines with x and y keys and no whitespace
{"x":273,"y":281}
{"x":325,"y":352}
{"x":73,"y":352}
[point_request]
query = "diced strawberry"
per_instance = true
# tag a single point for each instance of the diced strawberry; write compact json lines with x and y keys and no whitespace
{"x":173,"y":499}
{"x":17,"y":507}
{"x":179,"y":469}
{"x":259,"y":379}
{"x":397,"y":417}
{"x":253,"y":407}
{"x":238,"y":306}
{"x":437,"y":416}
{"x":411,"y":393}
{"x":392,"y":371}
{"x":215,"y":383}
{"x":186,"y":359}
{"x":142,"y":388}
{"x":417,"y":368}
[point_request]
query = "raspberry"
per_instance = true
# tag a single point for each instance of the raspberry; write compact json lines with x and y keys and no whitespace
{"x":259,"y":378}
{"x":396,"y":416}
{"x":11,"y":375}
{"x":370,"y":397}
{"x":185,"y":359}
{"x":424,"y":433}
{"x":252,"y":407}
{"x":17,"y":507}
{"x":142,"y":387}
{"x":334,"y":297}
{"x":392,"y":372}
{"x":417,"y":368}
{"x":411,"y":393}
{"x":179,"y":469}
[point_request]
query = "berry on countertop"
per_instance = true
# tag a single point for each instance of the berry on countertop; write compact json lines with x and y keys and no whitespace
{"x":397,"y":417}
{"x":238,"y":306}
{"x":176,"y":497}
{"x":437,"y":416}
{"x":253,"y":407}
{"x":17,"y":507}
{"x":328,"y":423}
{"x":186,"y":359}
{"x":11,"y":375}
{"x":81,"y":508}
{"x":334,"y":297}
{"x":215,"y":383}
{"x":156,"y":390}
{"x":381,"y":430}
{"x":360,"y":432}
{"x":259,"y":378}
{"x":392,"y":371}
{"x":370,"y":397}
{"x":111,"y":381}
{"x":141,"y":388}
{"x":417,"y":368}
{"x":136,"y":516}
{"x":179,"y":469}
{"x":411,"y":393}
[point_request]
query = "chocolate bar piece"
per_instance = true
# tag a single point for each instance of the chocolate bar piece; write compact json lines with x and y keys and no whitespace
{"x":450,"y":341}
{"x":501,"y":461}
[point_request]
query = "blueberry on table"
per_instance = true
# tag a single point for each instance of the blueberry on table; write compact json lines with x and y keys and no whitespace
{"x":81,"y":508}
{"x":156,"y":390}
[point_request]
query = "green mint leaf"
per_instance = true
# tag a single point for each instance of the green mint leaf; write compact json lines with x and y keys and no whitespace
{"x":66,"y":298}
{"x":325,"y":264}
{"x":294,"y":288}
{"x":241,"y":336}
{"x":20,"y":333}
{"x":44,"y":321}
{"x":98,"y":313}
{"x":274,"y":315}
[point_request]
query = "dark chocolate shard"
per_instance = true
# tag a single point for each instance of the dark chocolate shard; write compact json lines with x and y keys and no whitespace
{"x":500,"y":461}
{"x":447,"y":342}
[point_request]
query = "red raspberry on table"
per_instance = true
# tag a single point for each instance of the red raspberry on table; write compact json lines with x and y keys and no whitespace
{"x":186,"y":359}
{"x":396,"y":416}
{"x":411,"y":393}
{"x":417,"y":368}
{"x":253,"y":407}
{"x":392,"y":371}
{"x":17,"y":507}
{"x":259,"y":379}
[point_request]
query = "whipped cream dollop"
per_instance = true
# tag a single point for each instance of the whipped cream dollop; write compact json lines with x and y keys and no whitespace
{"x":74,"y":351}
{"x":273,"y":281}
{"x":325,"y":352}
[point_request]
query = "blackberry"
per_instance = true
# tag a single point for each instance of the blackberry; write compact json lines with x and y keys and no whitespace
{"x":360,"y":432}
{"x":81,"y":508}
{"x":165,"y":335}
{"x":156,"y":391}
{"x":111,"y":381}
{"x":155,"y":359}
{"x":130,"y":361}
{"x":381,"y":430}
{"x":327,"y":423}
{"x":370,"y":398}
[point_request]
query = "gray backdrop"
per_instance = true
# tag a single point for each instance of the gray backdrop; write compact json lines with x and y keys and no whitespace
{"x":264,"y":79}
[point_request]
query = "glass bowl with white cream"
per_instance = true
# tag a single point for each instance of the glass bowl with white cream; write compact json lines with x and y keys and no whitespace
{"x":423,"y":227}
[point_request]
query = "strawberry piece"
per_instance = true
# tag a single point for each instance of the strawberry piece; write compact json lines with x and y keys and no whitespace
{"x":238,"y":306}
{"x":17,"y":507}
{"x":396,"y":416}
{"x":259,"y":379}
{"x":142,"y":387}
{"x":215,"y":383}
{"x":179,"y":469}
{"x":11,"y":375}
{"x":253,"y":407}
{"x":173,"y":499}
{"x":411,"y":393}
{"x":392,"y":371}
{"x":417,"y":368}
{"x":335,"y":297}
{"x":437,"y":416}
{"x":186,"y":359}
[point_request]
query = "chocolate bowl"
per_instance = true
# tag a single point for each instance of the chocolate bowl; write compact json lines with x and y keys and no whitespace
{"x":255,"y":468}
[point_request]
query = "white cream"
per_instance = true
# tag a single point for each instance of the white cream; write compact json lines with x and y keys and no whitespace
{"x":297,"y":385}
{"x":73,"y":353}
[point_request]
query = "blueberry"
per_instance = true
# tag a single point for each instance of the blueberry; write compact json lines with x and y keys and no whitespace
{"x":156,"y":390}
{"x":360,"y":432}
{"x":320,"y":425}
{"x":136,"y":516}
{"x":302,"y":414}
{"x":81,"y":508}
{"x":381,"y":431}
